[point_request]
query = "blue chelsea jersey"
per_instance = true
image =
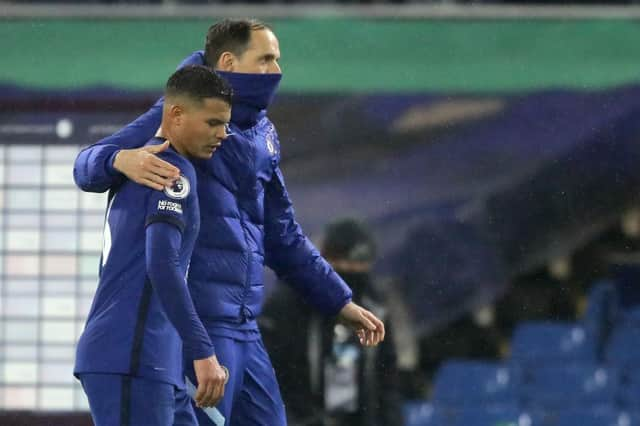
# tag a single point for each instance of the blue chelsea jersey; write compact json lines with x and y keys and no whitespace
{"x":127,"y":331}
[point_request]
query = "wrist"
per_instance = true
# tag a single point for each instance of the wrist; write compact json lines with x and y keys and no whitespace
{"x":200,"y":354}
{"x":344,"y":306}
{"x":113,"y":165}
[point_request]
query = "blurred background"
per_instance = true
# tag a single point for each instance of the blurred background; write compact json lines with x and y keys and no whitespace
{"x":491,"y":149}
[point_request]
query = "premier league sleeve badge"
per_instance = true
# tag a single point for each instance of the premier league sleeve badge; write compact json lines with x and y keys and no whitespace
{"x":180,"y":188}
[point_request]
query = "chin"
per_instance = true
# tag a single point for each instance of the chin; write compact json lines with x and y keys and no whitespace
{"x":205,"y":155}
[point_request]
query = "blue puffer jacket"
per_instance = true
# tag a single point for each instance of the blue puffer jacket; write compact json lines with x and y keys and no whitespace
{"x":247,"y":219}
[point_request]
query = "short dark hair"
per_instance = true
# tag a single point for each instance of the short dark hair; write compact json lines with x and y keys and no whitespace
{"x":230,"y":35}
{"x":198,"y":83}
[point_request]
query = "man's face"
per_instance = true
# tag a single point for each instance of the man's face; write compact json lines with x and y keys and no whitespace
{"x":261,"y":57}
{"x":203,"y":126}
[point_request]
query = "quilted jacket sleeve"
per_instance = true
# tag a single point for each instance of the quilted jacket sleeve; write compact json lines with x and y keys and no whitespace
{"x":294,"y":258}
{"x":93,"y":169}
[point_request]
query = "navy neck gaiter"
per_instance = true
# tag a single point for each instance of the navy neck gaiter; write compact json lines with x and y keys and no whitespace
{"x":252,"y":95}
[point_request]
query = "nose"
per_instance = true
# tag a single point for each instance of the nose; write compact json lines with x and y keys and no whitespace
{"x":274,"y":68}
{"x":222,"y":132}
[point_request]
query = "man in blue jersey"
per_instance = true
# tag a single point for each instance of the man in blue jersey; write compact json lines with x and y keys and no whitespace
{"x":130,"y":355}
{"x":247,"y":222}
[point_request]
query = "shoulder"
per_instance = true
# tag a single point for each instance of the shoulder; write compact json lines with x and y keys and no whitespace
{"x":196,"y":58}
{"x":183,"y":163}
{"x":171,"y":156}
{"x":186,"y":185}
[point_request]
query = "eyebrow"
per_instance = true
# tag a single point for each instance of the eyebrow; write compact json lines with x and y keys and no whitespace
{"x":269,"y":56}
{"x":216,"y":121}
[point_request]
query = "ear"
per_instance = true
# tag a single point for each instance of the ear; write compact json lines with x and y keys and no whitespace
{"x":226,"y":62}
{"x":176,"y":113}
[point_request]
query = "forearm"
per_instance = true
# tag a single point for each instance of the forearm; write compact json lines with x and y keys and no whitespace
{"x":94,"y":169}
{"x":163,"y":242}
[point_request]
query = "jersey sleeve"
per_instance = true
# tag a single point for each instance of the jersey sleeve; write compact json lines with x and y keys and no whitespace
{"x":171,"y":204}
{"x":163,"y":243}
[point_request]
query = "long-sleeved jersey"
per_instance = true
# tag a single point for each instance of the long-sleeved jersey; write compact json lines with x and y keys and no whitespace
{"x":142,"y":314}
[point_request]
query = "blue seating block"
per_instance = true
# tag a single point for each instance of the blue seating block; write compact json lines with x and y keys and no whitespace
{"x":422,"y":413}
{"x":540,"y":343}
{"x":623,"y":347}
{"x":460,"y":382}
{"x":562,"y":387}
{"x":602,"y":310}
{"x":510,"y":415}
{"x":591,"y":417}
{"x":629,"y":391}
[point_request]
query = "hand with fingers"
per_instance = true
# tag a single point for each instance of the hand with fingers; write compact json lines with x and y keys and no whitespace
{"x":142,"y":166}
{"x":212,"y":378}
{"x":368,"y":327}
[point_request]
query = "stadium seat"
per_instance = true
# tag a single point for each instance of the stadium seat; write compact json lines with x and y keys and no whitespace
{"x":634,"y":416}
{"x":509,"y":415}
{"x":590,"y":417}
{"x":422,"y":413}
{"x":461,"y":382}
{"x":627,"y":278}
{"x":629,"y":391}
{"x":614,"y":302}
{"x":537,"y":343}
{"x":602,"y":310}
{"x":630,"y":316}
{"x":623,"y":347}
{"x":563,"y":387}
{"x":629,"y":395}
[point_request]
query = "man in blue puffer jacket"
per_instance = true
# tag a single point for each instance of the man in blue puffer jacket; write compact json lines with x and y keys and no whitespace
{"x":247,"y":221}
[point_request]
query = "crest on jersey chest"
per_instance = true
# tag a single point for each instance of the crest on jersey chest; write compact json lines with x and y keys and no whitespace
{"x":270,"y":141}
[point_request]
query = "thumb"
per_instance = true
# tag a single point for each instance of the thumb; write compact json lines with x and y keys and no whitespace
{"x":199,"y":392}
{"x":157,"y":148}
